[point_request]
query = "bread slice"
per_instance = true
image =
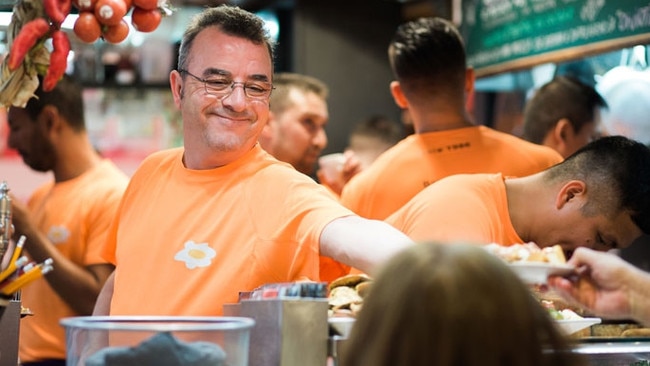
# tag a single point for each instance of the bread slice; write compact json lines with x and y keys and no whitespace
{"x":555,"y":254}
{"x":350,"y":280}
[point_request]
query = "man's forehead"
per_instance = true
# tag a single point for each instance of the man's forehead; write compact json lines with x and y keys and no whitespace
{"x":625,"y":230}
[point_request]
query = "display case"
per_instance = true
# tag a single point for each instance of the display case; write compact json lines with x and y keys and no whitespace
{"x":616,"y":351}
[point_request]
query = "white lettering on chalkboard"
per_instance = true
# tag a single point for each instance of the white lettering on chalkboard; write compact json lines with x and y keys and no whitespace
{"x":632,"y":22}
{"x":540,"y":6}
{"x":496,"y":12}
{"x":590,"y":10}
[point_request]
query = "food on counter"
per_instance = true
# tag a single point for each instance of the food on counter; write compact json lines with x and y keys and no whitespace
{"x":564,"y":314}
{"x":636,"y":332}
{"x":346,"y":294}
{"x":528,"y":252}
{"x":343,"y":296}
{"x":349,"y":280}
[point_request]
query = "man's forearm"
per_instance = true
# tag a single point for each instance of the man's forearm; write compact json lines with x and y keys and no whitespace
{"x":361,"y":243}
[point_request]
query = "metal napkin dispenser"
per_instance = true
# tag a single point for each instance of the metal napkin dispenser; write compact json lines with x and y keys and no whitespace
{"x":289,"y":330}
{"x":5,"y":218}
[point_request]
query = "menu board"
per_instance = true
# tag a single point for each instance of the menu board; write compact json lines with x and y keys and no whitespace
{"x":507,"y":35}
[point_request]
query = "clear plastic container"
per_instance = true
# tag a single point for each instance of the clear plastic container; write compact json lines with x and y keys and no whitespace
{"x":157,"y":340}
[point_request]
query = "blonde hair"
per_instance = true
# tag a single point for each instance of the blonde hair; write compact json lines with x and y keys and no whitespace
{"x":449,"y":305}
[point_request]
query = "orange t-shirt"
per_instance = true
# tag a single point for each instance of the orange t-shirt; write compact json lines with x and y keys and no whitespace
{"x":329,"y":268}
{"x":75,"y":215}
{"x":185,"y":242}
{"x":461,"y":208}
{"x":421,"y":159}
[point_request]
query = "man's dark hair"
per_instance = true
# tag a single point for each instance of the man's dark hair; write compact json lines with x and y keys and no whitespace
{"x":617,"y":172}
{"x":231,"y":20}
{"x":428,"y":54}
{"x":67,"y":97}
{"x":562,"y":97}
{"x":284,"y":82}
{"x":378,"y":127}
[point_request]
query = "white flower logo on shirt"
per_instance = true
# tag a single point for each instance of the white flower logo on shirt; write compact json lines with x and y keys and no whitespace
{"x":195,"y":255}
{"x":58,"y":234}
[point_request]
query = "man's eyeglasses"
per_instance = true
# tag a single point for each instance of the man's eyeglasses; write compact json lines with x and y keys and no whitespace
{"x":222,"y":87}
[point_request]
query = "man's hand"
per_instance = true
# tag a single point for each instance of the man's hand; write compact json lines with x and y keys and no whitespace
{"x":351,"y":167}
{"x":602,"y":284}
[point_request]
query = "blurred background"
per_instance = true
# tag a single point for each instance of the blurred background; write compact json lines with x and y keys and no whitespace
{"x":515,"y":46}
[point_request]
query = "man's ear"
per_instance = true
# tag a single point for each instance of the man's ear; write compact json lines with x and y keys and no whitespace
{"x":469,"y":89}
{"x":50,"y":120}
{"x":398,"y":95}
{"x":267,"y":131}
{"x":570,"y":193}
{"x":176,"y":82}
{"x":562,"y":130}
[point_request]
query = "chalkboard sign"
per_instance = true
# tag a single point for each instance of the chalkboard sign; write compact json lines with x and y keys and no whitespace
{"x":507,"y":35}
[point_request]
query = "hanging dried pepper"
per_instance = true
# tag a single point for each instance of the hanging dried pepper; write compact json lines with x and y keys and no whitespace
{"x":57,"y":10}
{"x":30,"y":33}
{"x":58,"y":60}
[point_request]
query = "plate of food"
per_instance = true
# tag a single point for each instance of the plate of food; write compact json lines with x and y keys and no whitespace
{"x":341,"y":325}
{"x":570,"y":326}
{"x":568,"y":319}
{"x":532,"y":263}
{"x":537,"y":272}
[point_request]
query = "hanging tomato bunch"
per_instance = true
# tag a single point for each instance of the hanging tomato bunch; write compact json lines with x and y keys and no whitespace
{"x":105,"y":18}
{"x":35,"y":22}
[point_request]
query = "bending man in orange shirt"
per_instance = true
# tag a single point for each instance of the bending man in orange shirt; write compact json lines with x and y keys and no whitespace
{"x":427,"y":56}
{"x":201,"y":223}
{"x":596,"y":198}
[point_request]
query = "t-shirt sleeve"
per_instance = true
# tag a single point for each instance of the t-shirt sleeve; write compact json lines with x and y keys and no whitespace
{"x":98,"y":229}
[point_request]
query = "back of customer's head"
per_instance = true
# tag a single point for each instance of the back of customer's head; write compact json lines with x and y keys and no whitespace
{"x":444,"y":305}
{"x":427,"y":56}
{"x":562,"y":97}
{"x":372,"y":136}
{"x":284,"y":82}
{"x":376,"y":128}
{"x":67,"y":97}
{"x":231,"y":20}
{"x":617,"y":173}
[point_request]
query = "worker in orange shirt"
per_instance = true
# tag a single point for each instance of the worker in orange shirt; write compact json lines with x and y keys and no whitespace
{"x":295,"y":132}
{"x":427,"y":56}
{"x":66,"y":219}
{"x":596,"y":198}
{"x":564,"y":114}
{"x":200,"y":223}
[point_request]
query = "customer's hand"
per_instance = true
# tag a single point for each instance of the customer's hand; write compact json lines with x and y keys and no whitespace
{"x":601,"y":286}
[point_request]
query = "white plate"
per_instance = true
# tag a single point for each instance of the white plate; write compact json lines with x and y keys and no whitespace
{"x":573,"y":325}
{"x":341,"y":324}
{"x":536,"y":273}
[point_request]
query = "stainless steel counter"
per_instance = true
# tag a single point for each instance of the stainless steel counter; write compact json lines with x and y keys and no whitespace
{"x":599,"y":352}
{"x":615,"y":352}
